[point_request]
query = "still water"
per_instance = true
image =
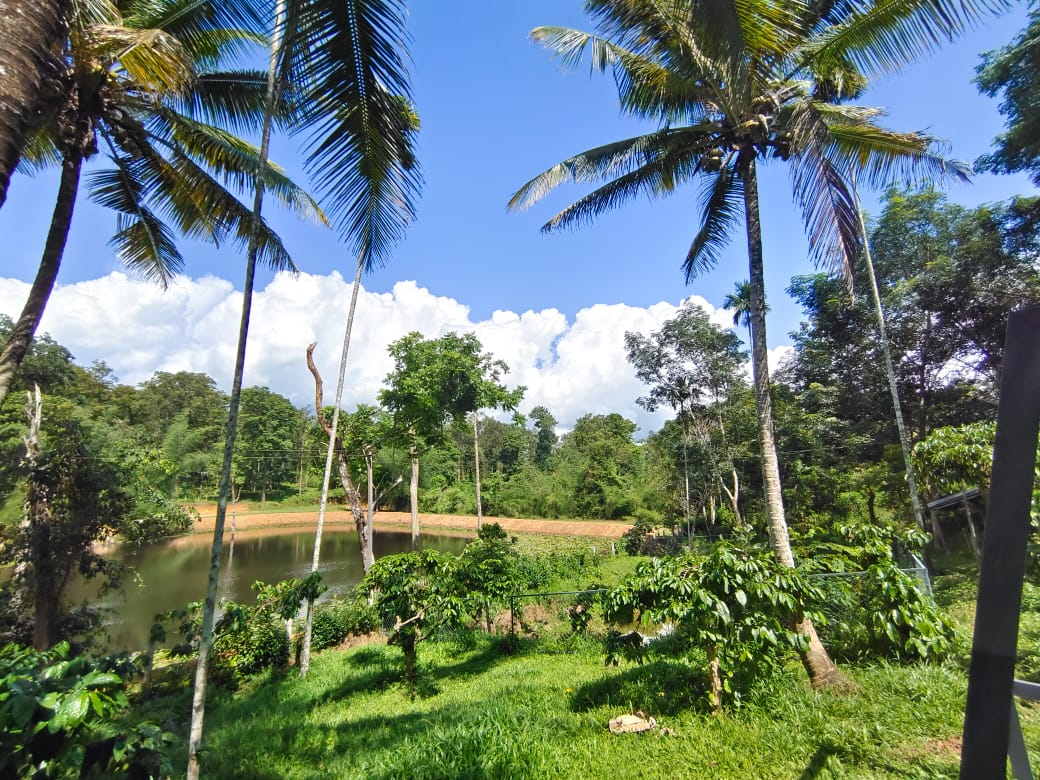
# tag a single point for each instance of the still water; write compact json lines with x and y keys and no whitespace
{"x":172,"y":573}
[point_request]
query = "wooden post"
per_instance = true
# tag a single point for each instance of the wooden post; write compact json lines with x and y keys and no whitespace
{"x":991,"y":673}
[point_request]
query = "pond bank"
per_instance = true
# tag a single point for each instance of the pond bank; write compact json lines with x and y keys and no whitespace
{"x":249,"y":518}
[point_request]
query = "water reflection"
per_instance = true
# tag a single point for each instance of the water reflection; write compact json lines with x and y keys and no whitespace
{"x":172,"y":573}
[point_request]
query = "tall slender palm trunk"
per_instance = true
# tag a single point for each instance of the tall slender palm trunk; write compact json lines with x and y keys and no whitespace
{"x":886,"y":350}
{"x":476,"y":467}
{"x":28,"y":31}
{"x":209,"y":609}
{"x":413,"y":489}
{"x":352,"y":494}
{"x":21,"y":335}
{"x":817,"y":662}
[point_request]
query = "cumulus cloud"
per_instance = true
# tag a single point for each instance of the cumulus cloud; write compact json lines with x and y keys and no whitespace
{"x":571,"y":367}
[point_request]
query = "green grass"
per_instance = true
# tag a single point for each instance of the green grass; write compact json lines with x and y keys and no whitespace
{"x":482,"y":714}
{"x":542,"y":710}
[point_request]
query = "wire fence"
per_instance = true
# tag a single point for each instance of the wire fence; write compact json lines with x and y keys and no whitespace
{"x":557,"y":615}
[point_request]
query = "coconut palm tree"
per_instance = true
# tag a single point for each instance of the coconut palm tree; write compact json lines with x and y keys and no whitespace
{"x":890,"y":372}
{"x":734,"y":85}
{"x":29,"y":31}
{"x":343,"y":63}
{"x":140,"y":88}
{"x":739,"y":302}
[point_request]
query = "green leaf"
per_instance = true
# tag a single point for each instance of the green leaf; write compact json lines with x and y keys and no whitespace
{"x":74,"y":708}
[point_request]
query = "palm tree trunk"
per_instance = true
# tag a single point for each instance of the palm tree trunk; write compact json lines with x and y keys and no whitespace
{"x":476,"y":466}
{"x":21,"y":336}
{"x":352,"y":494}
{"x":879,"y":314}
{"x":209,"y":609}
{"x":817,"y":662}
{"x":28,"y":31}
{"x":413,"y":491}
{"x":370,"y":508}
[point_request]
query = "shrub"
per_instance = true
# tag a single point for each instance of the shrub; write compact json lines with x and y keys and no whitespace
{"x":635,"y":538}
{"x":728,"y":612}
{"x":337,"y":619}
{"x":247,"y":644}
{"x":58,"y":719}
{"x":878,"y":610}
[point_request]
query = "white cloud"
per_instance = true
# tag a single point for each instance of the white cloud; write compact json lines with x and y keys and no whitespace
{"x":573,"y":368}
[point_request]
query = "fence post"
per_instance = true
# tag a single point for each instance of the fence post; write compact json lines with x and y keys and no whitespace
{"x":987,"y":714}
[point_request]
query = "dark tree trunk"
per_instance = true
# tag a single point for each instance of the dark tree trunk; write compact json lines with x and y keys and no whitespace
{"x":29,"y":31}
{"x":817,"y":662}
{"x":21,"y":335}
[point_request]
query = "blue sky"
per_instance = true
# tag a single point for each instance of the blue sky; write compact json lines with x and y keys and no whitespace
{"x":496,"y":110}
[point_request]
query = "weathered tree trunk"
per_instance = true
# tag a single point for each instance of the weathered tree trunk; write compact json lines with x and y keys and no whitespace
{"x":413,"y":491}
{"x":335,"y":448}
{"x":715,"y":683}
{"x":38,"y":526}
{"x":476,"y":466}
{"x":734,"y":497}
{"x":29,"y":31}
{"x":21,"y":335}
{"x":879,"y":315}
{"x":370,"y":507}
{"x":817,"y":662}
{"x":361,"y":519}
{"x":198,"y":701}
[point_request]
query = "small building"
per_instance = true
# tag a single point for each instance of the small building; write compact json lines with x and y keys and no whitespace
{"x":968,"y":501}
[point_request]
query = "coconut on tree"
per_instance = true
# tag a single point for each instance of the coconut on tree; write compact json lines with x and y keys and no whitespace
{"x":734,"y":86}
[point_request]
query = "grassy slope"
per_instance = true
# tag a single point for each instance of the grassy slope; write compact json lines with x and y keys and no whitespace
{"x":542,"y":712}
{"x":483,"y":714}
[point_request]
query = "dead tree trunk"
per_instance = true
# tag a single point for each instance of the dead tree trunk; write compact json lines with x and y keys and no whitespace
{"x":353,"y":497}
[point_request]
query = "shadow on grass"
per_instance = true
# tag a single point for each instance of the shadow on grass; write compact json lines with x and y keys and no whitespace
{"x":471,"y":741}
{"x":821,"y":760}
{"x":380,"y":667}
{"x":659,"y":688}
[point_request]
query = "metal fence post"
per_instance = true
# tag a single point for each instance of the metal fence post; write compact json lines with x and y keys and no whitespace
{"x":987,"y":714}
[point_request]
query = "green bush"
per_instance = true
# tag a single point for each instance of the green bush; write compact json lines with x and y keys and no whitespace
{"x":59,"y":717}
{"x":248,"y":644}
{"x":337,"y":619}
{"x":729,"y":613}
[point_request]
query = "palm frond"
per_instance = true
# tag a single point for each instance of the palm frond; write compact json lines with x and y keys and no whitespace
{"x":828,"y":210}
{"x":886,"y":156}
{"x":722,"y":206}
{"x":645,"y":86}
{"x":235,"y":160}
{"x":88,"y":13}
{"x":151,"y":58}
{"x":39,"y":153}
{"x":186,"y":192}
{"x":143,"y":241}
{"x":883,"y":36}
{"x":209,"y":30}
{"x":358,"y":117}
{"x":656,"y":177}
{"x":614,"y":159}
{"x":235,"y":100}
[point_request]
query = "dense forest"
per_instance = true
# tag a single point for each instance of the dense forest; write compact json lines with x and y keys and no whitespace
{"x":948,"y":276}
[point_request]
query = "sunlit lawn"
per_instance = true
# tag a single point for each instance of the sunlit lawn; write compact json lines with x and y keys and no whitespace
{"x":542,"y":712}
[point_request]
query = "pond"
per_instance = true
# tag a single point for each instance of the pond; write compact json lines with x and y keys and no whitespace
{"x":173,"y":572}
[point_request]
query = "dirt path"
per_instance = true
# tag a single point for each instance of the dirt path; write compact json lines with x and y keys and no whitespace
{"x":248,"y":519}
